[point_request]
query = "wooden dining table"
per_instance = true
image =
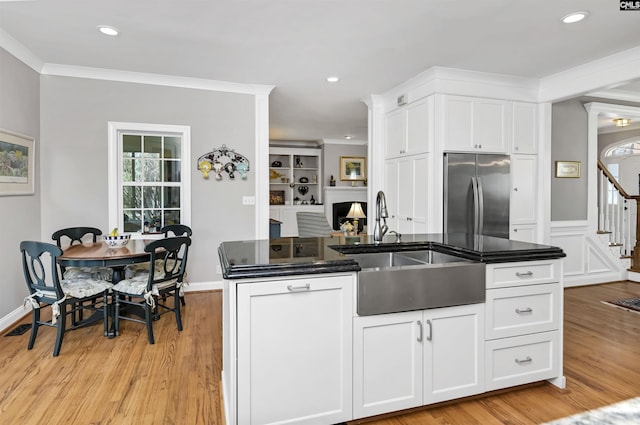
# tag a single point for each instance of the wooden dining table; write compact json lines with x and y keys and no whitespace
{"x":99,"y":254}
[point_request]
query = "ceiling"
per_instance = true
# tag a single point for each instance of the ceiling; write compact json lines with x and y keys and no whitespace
{"x":372,"y":45}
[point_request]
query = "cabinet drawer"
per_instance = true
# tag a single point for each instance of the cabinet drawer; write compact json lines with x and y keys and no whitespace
{"x":522,"y":310}
{"x":522,"y":273}
{"x":521,"y":360}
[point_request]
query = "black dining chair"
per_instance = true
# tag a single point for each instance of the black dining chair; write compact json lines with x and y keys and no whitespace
{"x":163,"y":279}
{"x":77,"y":235}
{"x":66,"y":296}
{"x":170,"y":230}
{"x":178,"y":230}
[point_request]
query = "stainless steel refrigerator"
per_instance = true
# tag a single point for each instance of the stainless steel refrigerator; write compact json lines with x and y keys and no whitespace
{"x":476,"y":194}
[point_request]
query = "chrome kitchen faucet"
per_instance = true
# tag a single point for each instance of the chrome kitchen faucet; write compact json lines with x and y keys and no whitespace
{"x":381,"y":213}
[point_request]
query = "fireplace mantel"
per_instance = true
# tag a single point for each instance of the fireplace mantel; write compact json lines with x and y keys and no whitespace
{"x":333,"y":194}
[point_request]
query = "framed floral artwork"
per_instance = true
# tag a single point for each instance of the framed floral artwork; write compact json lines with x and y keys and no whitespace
{"x":17,"y":163}
{"x":353,"y":168}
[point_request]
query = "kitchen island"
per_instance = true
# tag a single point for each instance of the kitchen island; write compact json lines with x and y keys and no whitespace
{"x":297,"y":351}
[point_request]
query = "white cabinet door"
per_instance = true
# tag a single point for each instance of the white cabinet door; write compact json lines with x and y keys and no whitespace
{"x":387,"y":352}
{"x":407,"y":130}
{"x":524,"y":137}
{"x":475,"y":124}
{"x":406,"y":192}
{"x":391,"y":194}
{"x":395,"y":133}
{"x":295,"y":351}
{"x":453,"y":352}
{"x":491,"y":125}
{"x":523,"y":205}
{"x":417,"y":140}
{"x":448,"y":341}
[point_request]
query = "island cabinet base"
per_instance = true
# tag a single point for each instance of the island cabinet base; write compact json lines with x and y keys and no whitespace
{"x":294,"y":351}
{"x":405,"y":360}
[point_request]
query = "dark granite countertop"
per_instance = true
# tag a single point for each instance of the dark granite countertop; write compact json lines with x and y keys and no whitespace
{"x":294,"y":256}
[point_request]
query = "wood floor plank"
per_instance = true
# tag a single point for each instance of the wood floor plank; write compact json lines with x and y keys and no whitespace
{"x":125,"y":380}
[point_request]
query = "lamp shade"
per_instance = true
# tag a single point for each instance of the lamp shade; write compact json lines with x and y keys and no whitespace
{"x":356,"y":211}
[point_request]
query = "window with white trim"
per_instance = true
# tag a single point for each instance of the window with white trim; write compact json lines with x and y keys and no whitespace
{"x":149,"y":184}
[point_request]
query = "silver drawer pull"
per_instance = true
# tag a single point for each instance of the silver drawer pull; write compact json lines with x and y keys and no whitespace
{"x":527,"y":360}
{"x":523,"y":311}
{"x":430,"y":337}
{"x":419,"y":322}
{"x":529,"y":273}
{"x":299,"y":288}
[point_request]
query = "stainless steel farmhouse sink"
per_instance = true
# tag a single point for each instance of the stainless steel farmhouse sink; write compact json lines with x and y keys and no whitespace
{"x":415,"y":280}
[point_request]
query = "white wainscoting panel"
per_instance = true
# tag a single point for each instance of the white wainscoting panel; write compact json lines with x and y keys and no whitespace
{"x":589,"y":259}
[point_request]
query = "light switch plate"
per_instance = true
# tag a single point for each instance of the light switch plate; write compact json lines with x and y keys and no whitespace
{"x":248,"y":200}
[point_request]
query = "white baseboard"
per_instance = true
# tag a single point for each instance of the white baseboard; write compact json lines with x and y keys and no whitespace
{"x":203,"y":286}
{"x":633,"y":276}
{"x":13,"y":317}
{"x":594,"y":279}
{"x":18,"y":313}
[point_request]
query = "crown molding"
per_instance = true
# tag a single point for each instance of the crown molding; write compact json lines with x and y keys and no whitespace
{"x":597,"y":75}
{"x":19,"y":51}
{"x":154,"y":79}
{"x":442,"y":80}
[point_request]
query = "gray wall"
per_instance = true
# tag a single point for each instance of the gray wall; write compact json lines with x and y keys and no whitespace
{"x":75,"y":112}
{"x":331,"y":157}
{"x":569,"y":143}
{"x":19,"y":215}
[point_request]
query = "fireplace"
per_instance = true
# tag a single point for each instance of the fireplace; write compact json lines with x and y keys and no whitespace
{"x":340,"y":211}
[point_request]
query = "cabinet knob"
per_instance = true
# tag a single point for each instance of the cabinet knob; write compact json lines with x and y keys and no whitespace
{"x":515,"y":189}
{"x":516,"y":148}
{"x":515,"y":230}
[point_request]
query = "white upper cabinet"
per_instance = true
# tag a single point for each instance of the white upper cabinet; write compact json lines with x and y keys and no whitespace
{"x":407,"y":130}
{"x":524,"y":136}
{"x":472,"y":124}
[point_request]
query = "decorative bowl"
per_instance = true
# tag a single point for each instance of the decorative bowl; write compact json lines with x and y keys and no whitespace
{"x":117,"y":241}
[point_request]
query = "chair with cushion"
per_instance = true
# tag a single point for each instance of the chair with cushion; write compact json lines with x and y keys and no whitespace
{"x":66,"y":296}
{"x":162,"y":279}
{"x":78,"y":235}
{"x":168,"y":231}
{"x":311,"y":224}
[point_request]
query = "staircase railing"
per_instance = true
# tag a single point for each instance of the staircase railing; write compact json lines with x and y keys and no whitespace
{"x":616,"y":209}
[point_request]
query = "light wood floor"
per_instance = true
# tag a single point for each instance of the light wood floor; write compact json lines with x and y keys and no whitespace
{"x":125,"y":380}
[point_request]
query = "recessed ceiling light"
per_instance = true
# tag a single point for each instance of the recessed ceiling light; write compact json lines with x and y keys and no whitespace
{"x":574,"y":17}
{"x":347,"y":137}
{"x":333,"y":79}
{"x":108,"y":30}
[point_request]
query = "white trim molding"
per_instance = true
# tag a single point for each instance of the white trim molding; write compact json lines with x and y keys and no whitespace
{"x":114,"y":172}
{"x":154,"y":79}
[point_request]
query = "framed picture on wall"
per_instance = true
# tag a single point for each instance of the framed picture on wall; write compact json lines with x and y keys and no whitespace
{"x":568,"y":169}
{"x":353,"y":168}
{"x":17,"y":162}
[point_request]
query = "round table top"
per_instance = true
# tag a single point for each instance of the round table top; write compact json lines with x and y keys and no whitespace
{"x":101,"y":252}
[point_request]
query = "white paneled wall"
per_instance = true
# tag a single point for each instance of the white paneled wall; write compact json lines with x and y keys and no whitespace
{"x":589,"y":259}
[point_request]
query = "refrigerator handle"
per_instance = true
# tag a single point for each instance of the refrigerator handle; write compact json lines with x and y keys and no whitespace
{"x":476,"y":212}
{"x":480,"y":207}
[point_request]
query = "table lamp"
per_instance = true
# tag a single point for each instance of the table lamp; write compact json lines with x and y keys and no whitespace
{"x":356,"y":213}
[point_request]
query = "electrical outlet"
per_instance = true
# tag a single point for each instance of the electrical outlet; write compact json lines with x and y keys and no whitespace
{"x":248,"y":200}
